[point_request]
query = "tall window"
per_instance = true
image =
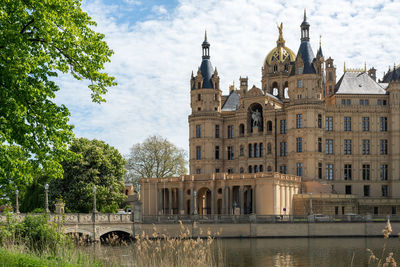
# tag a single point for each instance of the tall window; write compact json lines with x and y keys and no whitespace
{"x":329,"y":171}
{"x":365,"y":124}
{"x":366,"y":190}
{"x":230,"y":131}
{"x":384,"y":172}
{"x":269,"y":148}
{"x":319,"y":121}
{"x":216,"y":152}
{"x":319,"y":144}
{"x":198,"y":171}
{"x":383,"y":124}
{"x":199,"y":96}
{"x":299,"y":121}
{"x":241,"y":150}
{"x":241,"y":130}
{"x":347,"y":146}
{"x":299,"y":144}
{"x":328,"y":123}
{"x":250,"y":150}
{"x":217,"y":131}
{"x":347,"y":123}
{"x":283,"y":127}
{"x":384,"y":190}
{"x":250,"y":169}
{"x":198,"y":152}
{"x":383,"y":146}
{"x":299,"y":170}
{"x":283,"y":149}
{"x":198,"y":131}
{"x":319,"y":170}
{"x":366,"y":171}
{"x":261,"y":150}
{"x":348,"y":189}
{"x":283,"y":169}
{"x":329,"y":146}
{"x":299,"y":83}
{"x":230,"y":153}
{"x":261,"y":168}
{"x":255,"y":150}
{"x":347,"y":171}
{"x":255,"y":168}
{"x":365,"y":146}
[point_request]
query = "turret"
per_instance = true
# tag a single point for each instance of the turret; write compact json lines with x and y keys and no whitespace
{"x":330,"y":70}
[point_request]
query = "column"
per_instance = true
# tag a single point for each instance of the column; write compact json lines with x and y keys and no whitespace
{"x":291,"y":199}
{"x":230,"y":203}
{"x":160,"y":201}
{"x":181,"y":206}
{"x":169,"y":200}
{"x":283,"y":200}
{"x":253,"y":199}
{"x":288,"y":200}
{"x":213,"y":200}
{"x":191,"y":200}
{"x":241,"y":199}
{"x":277,"y":199}
{"x":223,"y":200}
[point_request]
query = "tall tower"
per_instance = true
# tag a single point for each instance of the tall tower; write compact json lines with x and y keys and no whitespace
{"x":205,"y":123}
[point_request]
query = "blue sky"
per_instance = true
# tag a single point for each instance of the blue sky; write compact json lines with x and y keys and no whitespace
{"x":157,"y":45}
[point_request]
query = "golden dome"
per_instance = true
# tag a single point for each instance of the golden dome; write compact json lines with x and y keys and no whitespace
{"x":280,"y":53}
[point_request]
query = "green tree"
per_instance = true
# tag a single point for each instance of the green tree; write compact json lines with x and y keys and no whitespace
{"x":98,"y":164}
{"x":156,"y":157}
{"x":38,"y":41}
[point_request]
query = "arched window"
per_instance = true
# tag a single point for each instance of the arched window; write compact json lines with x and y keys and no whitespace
{"x":255,"y":150}
{"x":275,"y":91}
{"x":286,"y":90}
{"x":241,"y":129}
{"x":241,"y":150}
{"x":269,"y":148}
{"x":269,"y":126}
{"x":250,"y":151}
{"x":261,"y":150}
{"x":255,"y":168}
{"x":261,"y":168}
{"x":250,"y":169}
{"x":286,"y":67}
{"x":275,"y":68}
{"x":241,"y":170}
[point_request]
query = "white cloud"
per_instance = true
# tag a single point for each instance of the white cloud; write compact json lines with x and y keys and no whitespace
{"x":153,"y":59}
{"x":159,"y":10}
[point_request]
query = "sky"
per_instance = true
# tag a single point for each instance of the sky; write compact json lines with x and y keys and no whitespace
{"x":157,"y":44}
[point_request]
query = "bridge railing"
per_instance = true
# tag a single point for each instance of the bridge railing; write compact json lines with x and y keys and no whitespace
{"x":81,"y":218}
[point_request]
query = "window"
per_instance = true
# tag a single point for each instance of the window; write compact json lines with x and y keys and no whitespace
{"x":364,"y":102}
{"x":198,"y":131}
{"x":348,"y":189}
{"x":383,"y":124}
{"x":300,"y":70}
{"x":365,"y":146}
{"x":299,"y":170}
{"x":299,"y":121}
{"x":393,"y":209}
{"x":376,"y":210}
{"x":275,"y":68}
{"x":283,"y":169}
{"x":283,"y":127}
{"x":346,"y":102}
{"x":217,"y":131}
{"x":217,"y":170}
{"x":261,"y":150}
{"x":329,"y":171}
{"x":255,"y":168}
{"x":283,"y":149}
{"x":384,"y":190}
{"x":198,"y":96}
{"x":347,"y":171}
{"x":347,"y":123}
{"x":319,"y":170}
{"x":216,"y":152}
{"x":299,"y":83}
{"x":319,"y":121}
{"x":336,"y":210}
{"x":366,"y":171}
{"x":230,"y":131}
{"x":241,"y":170}
{"x":255,"y":150}
{"x":328,"y":123}
{"x":384,"y":172}
{"x":230,"y":153}
{"x":366,"y":190}
{"x":365,"y":124}
{"x":361,"y":102}
{"x":241,"y":130}
{"x":299,"y":144}
{"x":383,"y":146}
{"x":347,"y":146}
{"x":241,"y":150}
{"x":250,"y":169}
{"x":261,"y":168}
{"x":198,"y":171}
{"x":269,"y":148}
{"x":269,"y":126}
{"x":329,"y":146}
{"x":319,"y":144}
{"x":230,"y":170}
{"x":198,"y":152}
{"x":250,"y":150}
{"x":382,"y":102}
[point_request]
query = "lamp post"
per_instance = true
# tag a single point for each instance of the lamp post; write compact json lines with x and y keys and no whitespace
{"x":46,"y":200}
{"x":16,"y":201}
{"x":94,"y":199}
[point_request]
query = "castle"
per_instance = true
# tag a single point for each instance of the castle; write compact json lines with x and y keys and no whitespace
{"x":302,"y":123}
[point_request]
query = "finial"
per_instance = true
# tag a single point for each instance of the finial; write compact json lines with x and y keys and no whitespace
{"x":280,"y":40}
{"x":205,"y":36}
{"x":320,"y":37}
{"x":365,"y":66}
{"x":305,"y":15}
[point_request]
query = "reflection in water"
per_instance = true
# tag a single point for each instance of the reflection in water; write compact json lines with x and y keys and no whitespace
{"x":284,"y":252}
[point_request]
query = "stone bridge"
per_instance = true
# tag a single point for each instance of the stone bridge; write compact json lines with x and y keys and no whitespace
{"x":92,"y":225}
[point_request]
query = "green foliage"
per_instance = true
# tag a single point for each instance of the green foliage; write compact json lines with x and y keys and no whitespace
{"x":15,"y":259}
{"x":156,"y":157}
{"x":38,"y":41}
{"x":98,"y":164}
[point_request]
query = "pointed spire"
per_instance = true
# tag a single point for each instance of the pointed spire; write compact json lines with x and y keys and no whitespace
{"x":205,"y":36}
{"x":305,"y":29}
{"x":305,"y":16}
{"x":206,"y":47}
{"x":319,"y":52}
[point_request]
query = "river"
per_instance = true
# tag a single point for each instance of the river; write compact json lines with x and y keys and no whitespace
{"x":283,"y":252}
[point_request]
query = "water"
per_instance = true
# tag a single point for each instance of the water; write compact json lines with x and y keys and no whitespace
{"x":284,"y":252}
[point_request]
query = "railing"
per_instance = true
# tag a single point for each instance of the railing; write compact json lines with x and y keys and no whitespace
{"x":76,"y":218}
{"x":252,"y":218}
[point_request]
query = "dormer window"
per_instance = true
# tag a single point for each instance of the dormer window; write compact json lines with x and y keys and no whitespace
{"x":300,"y":70}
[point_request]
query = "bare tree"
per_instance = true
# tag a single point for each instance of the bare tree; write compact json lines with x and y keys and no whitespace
{"x":156,"y":157}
